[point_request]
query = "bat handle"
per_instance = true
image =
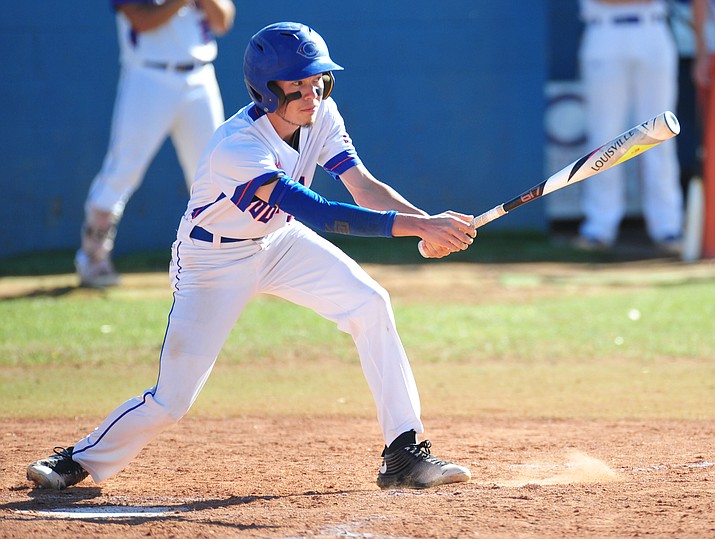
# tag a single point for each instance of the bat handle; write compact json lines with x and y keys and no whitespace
{"x":478,"y":221}
{"x":489,"y":216}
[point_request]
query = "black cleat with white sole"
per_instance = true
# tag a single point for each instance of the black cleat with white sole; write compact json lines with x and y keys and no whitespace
{"x":57,"y":471}
{"x":412,"y":466}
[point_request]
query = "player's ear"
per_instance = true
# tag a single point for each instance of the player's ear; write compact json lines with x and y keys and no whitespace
{"x":328,"y":82}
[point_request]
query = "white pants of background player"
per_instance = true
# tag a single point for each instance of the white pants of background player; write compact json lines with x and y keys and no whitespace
{"x":212,"y":285}
{"x":152,"y":104}
{"x":629,"y":72}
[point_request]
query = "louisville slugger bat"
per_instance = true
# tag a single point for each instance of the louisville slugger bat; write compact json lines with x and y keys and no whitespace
{"x":625,"y":146}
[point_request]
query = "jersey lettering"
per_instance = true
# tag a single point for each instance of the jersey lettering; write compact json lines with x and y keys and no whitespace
{"x":262,"y":212}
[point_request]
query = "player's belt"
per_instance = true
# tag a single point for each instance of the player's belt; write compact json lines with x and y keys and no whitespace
{"x":202,"y":234}
{"x":175,"y":67}
{"x":626,"y":19}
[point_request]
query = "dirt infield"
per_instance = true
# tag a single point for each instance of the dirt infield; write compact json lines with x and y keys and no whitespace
{"x":281,"y":478}
{"x":314,"y":477}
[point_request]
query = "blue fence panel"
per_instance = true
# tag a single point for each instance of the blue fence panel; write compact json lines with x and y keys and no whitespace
{"x":444,"y":101}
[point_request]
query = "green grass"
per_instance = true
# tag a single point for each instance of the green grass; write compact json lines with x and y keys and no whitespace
{"x":682,"y":389}
{"x":633,"y":324}
{"x":495,"y":246}
{"x":80,"y":354}
{"x":629,"y":346}
{"x":642,"y":324}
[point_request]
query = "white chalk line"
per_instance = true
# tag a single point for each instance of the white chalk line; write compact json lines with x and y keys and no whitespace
{"x":581,"y":468}
{"x":352,"y":531}
{"x":103,"y":512}
{"x":655,"y":467}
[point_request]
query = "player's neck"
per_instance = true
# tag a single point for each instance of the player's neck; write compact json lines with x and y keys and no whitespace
{"x":294,"y":141}
{"x":285,"y":128}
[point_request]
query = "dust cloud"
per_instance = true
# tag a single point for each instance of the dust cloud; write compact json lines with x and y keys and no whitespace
{"x":578,"y":467}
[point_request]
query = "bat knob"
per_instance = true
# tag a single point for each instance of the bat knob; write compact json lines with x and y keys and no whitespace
{"x":421,"y":248}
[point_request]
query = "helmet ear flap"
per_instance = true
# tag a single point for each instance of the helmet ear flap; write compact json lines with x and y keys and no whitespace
{"x":328,"y":82}
{"x":273,"y":87}
{"x":281,"y":95}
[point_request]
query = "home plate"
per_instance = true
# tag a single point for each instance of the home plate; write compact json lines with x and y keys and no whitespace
{"x":104,"y":512}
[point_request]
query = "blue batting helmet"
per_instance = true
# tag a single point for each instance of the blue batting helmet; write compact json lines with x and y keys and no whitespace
{"x":284,"y":51}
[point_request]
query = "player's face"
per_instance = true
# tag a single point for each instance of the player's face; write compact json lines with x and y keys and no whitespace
{"x":301,"y":110}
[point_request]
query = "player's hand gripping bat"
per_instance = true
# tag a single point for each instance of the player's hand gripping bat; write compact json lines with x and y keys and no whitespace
{"x":633,"y":142}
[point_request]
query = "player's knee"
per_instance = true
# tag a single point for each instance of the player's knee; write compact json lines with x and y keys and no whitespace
{"x":373,"y":307}
{"x":169,"y":409}
{"x":375,"y":298}
{"x":173,"y":412}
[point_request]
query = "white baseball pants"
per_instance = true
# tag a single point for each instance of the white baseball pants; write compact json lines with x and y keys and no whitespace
{"x":152,"y":104}
{"x":629,"y":72}
{"x":212,"y":285}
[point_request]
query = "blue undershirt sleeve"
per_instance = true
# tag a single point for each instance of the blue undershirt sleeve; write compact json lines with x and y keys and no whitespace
{"x":327,"y":215}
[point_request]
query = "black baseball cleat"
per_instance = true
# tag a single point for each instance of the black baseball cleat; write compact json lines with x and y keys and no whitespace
{"x":412,"y":466}
{"x":57,"y":471}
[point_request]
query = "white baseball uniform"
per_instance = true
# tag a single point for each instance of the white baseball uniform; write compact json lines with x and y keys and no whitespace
{"x":167,"y":87}
{"x":232,"y":246}
{"x":629,"y":69}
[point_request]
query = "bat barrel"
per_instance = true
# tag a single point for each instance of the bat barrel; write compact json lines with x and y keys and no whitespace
{"x":622,"y":148}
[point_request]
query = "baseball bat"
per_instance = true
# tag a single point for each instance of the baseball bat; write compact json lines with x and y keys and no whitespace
{"x":625,"y":146}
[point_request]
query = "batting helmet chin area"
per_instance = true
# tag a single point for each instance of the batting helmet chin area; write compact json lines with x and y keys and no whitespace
{"x":285,"y":51}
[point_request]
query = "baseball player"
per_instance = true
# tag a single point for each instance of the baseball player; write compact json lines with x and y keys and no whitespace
{"x":629,"y":68}
{"x":244,"y":233}
{"x":167,"y":87}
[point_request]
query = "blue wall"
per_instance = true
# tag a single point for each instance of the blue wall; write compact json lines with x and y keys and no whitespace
{"x":444,"y":100}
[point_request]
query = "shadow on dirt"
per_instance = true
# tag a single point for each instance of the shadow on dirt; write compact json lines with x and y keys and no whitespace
{"x":72,"y":504}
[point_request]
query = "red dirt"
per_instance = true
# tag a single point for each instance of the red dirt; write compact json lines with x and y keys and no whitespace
{"x":315,"y":477}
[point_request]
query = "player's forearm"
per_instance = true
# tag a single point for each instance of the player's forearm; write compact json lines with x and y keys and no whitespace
{"x":701,"y":67}
{"x":701,"y":11}
{"x":146,"y":17}
{"x":369,"y":192}
{"x":382,"y":197}
{"x":220,"y":14}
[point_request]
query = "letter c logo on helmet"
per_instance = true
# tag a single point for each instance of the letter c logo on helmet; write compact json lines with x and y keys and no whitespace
{"x":284,"y":51}
{"x":308,"y":49}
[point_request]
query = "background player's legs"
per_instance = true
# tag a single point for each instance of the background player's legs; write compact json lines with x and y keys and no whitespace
{"x":200,"y":113}
{"x":655,"y":90}
{"x":206,"y":307}
{"x":143,"y":112}
{"x":312,"y":272}
{"x":92,"y":261}
{"x":604,"y":71}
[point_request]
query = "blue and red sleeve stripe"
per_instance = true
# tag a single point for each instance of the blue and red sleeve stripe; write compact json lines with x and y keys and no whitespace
{"x":340,"y":163}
